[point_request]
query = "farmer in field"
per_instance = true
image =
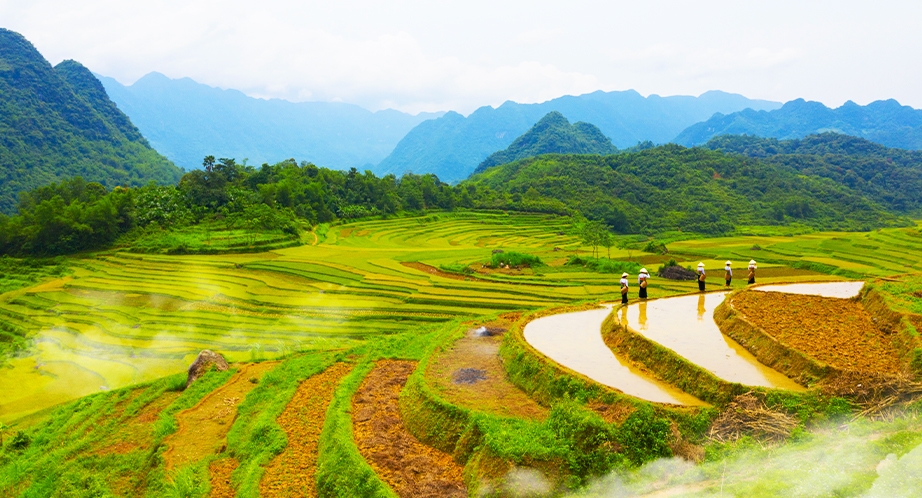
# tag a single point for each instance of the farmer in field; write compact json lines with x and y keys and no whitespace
{"x":642,"y":283}
{"x":701,"y":277}
{"x":752,"y":271}
{"x":624,"y":288}
{"x":728,"y":274}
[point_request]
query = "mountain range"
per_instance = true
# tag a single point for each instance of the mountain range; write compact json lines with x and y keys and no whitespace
{"x":884,"y":121}
{"x":57,"y":122}
{"x":452,"y":146}
{"x":187,"y":121}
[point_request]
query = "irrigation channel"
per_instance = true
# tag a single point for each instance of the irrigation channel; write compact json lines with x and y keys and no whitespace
{"x":684,"y":324}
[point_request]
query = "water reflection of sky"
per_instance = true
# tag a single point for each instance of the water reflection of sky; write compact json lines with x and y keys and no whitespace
{"x":575,"y":341}
{"x":842,"y":290}
{"x":685,"y":324}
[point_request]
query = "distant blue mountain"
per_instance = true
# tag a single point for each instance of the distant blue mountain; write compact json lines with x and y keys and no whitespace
{"x":885,"y":122}
{"x":186,"y":121}
{"x":452,"y":146}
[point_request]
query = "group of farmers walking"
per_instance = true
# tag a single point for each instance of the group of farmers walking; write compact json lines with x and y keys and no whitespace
{"x":644,"y":276}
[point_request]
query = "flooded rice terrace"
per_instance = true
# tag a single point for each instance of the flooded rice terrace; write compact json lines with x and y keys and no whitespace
{"x":684,"y":324}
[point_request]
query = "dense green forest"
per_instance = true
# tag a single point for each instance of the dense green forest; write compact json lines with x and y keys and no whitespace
{"x":649,"y":191}
{"x":553,"y":134}
{"x":693,"y":190}
{"x":76,"y":215}
{"x":892,"y":177}
{"x":57,"y":123}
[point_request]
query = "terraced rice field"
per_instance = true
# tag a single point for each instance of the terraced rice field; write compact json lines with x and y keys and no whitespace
{"x":878,"y":253}
{"x":124,"y":318}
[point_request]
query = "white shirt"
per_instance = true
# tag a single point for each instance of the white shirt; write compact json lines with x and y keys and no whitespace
{"x":642,"y":277}
{"x":727,"y":268}
{"x":624,"y":281}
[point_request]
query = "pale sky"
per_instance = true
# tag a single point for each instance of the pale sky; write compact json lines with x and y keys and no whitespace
{"x":445,"y":55}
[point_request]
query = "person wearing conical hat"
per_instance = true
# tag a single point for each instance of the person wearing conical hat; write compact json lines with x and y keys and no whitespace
{"x":624,"y":286}
{"x":752,"y":271}
{"x":728,"y":273}
{"x":642,"y":283}
{"x":701,"y":277}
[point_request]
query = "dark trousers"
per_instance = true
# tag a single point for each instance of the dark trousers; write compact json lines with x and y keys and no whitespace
{"x":728,"y":282}
{"x":752,"y":280}
{"x":642,"y":293}
{"x":624,"y":298}
{"x":701,"y":285}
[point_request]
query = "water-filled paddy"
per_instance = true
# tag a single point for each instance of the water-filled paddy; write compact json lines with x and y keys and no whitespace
{"x":575,"y":341}
{"x":842,"y":290}
{"x":685,"y":324}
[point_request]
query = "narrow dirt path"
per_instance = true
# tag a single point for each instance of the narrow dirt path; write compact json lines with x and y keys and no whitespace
{"x":470,"y":373}
{"x":410,"y":467}
{"x":292,"y":472}
{"x":203,"y":428}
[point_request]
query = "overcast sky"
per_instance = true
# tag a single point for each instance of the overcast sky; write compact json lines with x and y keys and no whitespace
{"x":439,"y":55}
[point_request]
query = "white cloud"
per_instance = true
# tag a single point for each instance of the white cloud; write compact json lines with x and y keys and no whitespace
{"x":415,"y":55}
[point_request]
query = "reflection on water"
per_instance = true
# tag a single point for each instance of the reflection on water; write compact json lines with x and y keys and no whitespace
{"x":575,"y":341}
{"x":669,"y":322}
{"x":842,"y":290}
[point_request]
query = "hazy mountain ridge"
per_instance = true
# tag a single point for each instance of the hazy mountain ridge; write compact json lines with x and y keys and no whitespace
{"x":553,"y":134}
{"x":884,"y":121}
{"x":452,"y":146}
{"x":56,"y":123}
{"x":187,"y":121}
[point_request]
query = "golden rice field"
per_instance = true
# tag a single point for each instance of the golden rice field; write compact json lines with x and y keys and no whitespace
{"x":122,"y":318}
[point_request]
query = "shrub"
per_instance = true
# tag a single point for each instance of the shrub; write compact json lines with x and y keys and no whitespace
{"x":516,"y":260}
{"x":604,"y":265}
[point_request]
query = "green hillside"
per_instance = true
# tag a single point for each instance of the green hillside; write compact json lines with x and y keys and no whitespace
{"x":892,"y":177}
{"x":57,"y":122}
{"x":693,"y":190}
{"x":553,"y":134}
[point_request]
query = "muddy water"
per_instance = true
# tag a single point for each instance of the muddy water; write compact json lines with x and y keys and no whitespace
{"x":842,"y":290}
{"x":575,"y":341}
{"x":685,"y":324}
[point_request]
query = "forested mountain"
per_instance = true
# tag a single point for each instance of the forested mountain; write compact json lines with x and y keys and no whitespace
{"x":452,"y":146}
{"x":552,"y":135}
{"x":892,"y":177}
{"x":884,"y":121}
{"x":56,"y":123}
{"x":187,"y":121}
{"x":694,"y":190}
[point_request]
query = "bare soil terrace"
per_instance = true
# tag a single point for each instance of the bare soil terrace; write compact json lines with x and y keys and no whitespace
{"x":411,"y":468}
{"x":838,"y":332}
{"x":292,"y":472}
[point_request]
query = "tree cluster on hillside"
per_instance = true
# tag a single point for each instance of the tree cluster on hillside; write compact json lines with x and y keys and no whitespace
{"x":694,"y":190}
{"x":57,"y":122}
{"x":892,"y":177}
{"x":76,"y":215}
{"x":653,"y":190}
{"x":553,"y":134}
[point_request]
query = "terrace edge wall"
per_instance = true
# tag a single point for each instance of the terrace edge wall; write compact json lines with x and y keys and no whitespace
{"x":897,"y":326}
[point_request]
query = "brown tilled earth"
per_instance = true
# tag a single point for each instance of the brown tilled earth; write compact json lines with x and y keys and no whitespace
{"x":838,"y":332}
{"x":471,"y":374}
{"x":221,"y":471}
{"x":292,"y":472}
{"x":410,"y":467}
{"x":435,"y":271}
{"x":135,"y":433}
{"x":203,"y":428}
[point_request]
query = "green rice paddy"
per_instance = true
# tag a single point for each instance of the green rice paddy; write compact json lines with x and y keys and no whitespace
{"x":122,"y":317}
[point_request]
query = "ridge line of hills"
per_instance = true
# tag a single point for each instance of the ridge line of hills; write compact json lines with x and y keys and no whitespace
{"x":58,"y":122}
